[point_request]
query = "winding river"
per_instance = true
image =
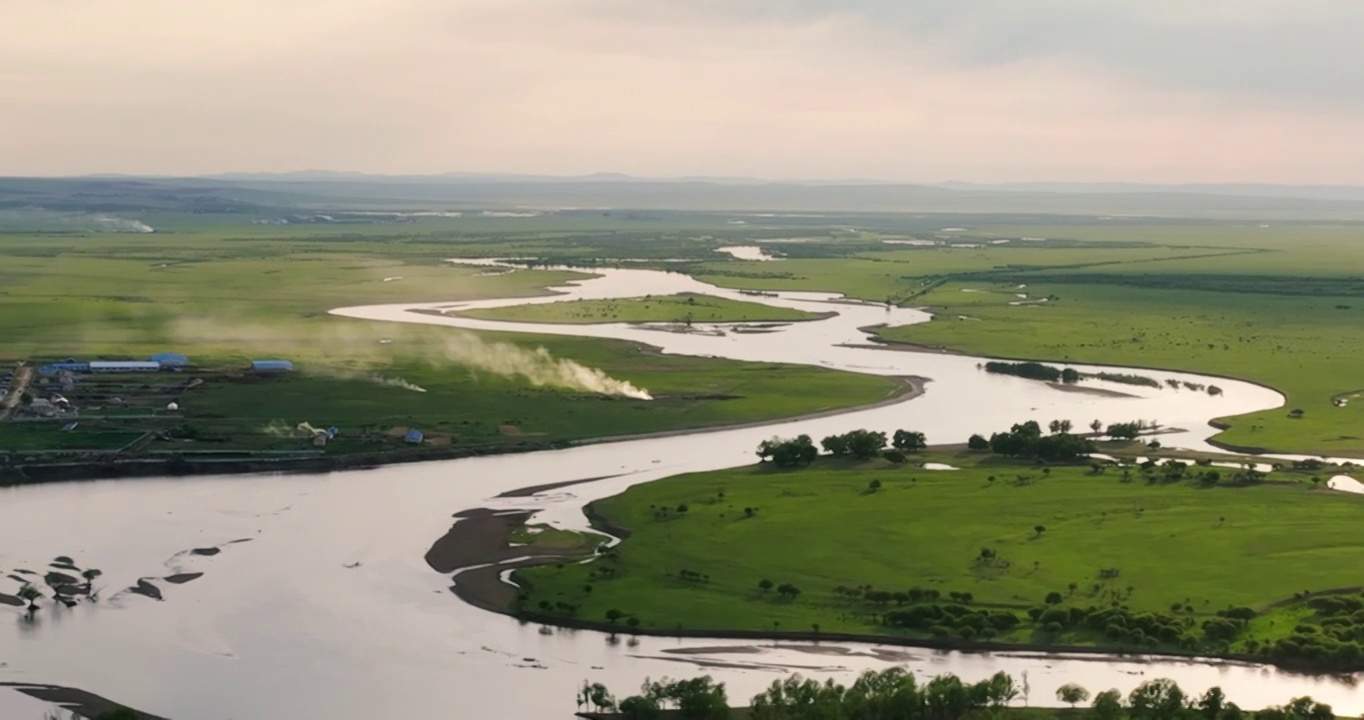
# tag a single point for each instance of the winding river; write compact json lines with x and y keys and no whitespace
{"x":281,"y":627}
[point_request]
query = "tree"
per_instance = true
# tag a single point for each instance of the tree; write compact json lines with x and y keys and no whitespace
{"x":90,"y":576}
{"x":765,"y":585}
{"x":1059,"y":426}
{"x":633,"y":622}
{"x":1124,"y":431}
{"x":1039,"y":529}
{"x":1212,"y":703}
{"x":978,"y":443}
{"x":836,"y":445}
{"x":909,"y":441}
{"x":30,"y":594}
{"x":873,"y":486}
{"x":1070,"y":693}
{"x":1054,"y":598}
{"x":786,"y":453}
{"x":1096,"y":426}
{"x":1000,"y":690}
{"x":597,"y":696}
{"x":1156,"y":700}
{"x":613,"y":615}
{"x":1108,"y":705}
{"x":637,"y":707}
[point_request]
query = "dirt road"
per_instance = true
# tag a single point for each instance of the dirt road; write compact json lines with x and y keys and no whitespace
{"x":23,"y":375}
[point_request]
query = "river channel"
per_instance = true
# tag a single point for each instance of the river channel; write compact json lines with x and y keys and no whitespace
{"x":286,"y":625}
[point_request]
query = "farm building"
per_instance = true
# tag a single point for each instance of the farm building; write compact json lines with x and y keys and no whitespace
{"x":272,"y":366}
{"x":124,"y":366}
{"x":413,"y":437}
{"x":170,"y":360}
{"x":64,"y":366}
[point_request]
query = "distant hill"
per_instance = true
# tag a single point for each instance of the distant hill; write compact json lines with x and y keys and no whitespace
{"x":325,"y":190}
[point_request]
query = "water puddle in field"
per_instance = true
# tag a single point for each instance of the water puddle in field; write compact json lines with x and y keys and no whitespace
{"x":747,"y":252}
{"x":331,"y":611}
{"x":1345,"y":483}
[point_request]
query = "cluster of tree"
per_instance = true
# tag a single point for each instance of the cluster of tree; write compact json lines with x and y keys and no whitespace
{"x":900,"y":597}
{"x":952,"y":620}
{"x":788,"y":452}
{"x":1333,"y":637}
{"x":786,"y":590}
{"x":66,"y":589}
{"x":1034,"y":371}
{"x":1128,"y":379}
{"x":894,"y":694}
{"x":860,"y":444}
{"x":697,"y":699}
{"x":1026,"y":440}
{"x":1126,"y":430}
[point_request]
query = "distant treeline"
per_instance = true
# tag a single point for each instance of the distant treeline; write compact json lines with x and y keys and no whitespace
{"x":1048,"y":373}
{"x":894,"y":694}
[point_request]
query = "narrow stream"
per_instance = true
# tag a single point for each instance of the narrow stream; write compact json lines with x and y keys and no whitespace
{"x":287,"y":626}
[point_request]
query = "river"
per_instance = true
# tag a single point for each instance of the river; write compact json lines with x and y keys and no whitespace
{"x":280,"y":627}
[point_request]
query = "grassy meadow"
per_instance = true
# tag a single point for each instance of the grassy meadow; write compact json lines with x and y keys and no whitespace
{"x":684,"y":308}
{"x":225,"y":296}
{"x":1306,"y":346}
{"x":1008,"y":533}
{"x":1278,"y":304}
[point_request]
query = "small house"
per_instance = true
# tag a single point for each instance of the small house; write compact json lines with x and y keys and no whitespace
{"x":272,"y":366}
{"x":413,"y":437}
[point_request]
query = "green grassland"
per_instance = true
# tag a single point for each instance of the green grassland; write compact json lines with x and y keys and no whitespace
{"x":1308,"y":347}
{"x":683,"y":308}
{"x":1162,"y":543}
{"x":1275,"y":304}
{"x":224,"y":296}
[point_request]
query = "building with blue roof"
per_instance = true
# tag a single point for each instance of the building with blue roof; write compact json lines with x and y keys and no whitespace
{"x":170,"y":360}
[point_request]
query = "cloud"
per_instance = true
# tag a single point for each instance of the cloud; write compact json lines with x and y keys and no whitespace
{"x":900,"y":89}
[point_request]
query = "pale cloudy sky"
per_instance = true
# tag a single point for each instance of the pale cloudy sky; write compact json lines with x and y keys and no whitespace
{"x":924,"y":90}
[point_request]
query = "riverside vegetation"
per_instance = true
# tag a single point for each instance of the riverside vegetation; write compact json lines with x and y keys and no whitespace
{"x":894,"y":694}
{"x":1025,"y":543}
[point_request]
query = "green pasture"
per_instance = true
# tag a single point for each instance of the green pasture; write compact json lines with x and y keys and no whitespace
{"x":683,"y":308}
{"x":830,"y":526}
{"x":224,"y":299}
{"x":1308,"y":347}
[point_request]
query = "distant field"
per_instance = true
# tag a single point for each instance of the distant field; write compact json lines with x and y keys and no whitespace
{"x":1278,"y":305}
{"x":1309,"y":347}
{"x":1118,"y":535}
{"x":225,"y":296}
{"x":685,"y":308}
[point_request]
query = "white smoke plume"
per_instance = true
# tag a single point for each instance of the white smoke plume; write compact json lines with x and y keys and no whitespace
{"x":354,"y":350}
{"x":397,"y":383}
{"x":538,"y":366}
{"x":123,"y":225}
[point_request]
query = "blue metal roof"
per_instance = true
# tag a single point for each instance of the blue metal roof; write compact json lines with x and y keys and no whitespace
{"x":170,"y":359}
{"x":413,"y":436}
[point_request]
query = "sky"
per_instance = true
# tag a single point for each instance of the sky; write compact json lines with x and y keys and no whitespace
{"x":905,"y":90}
